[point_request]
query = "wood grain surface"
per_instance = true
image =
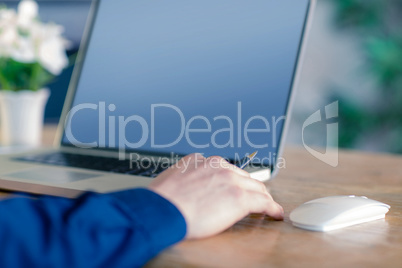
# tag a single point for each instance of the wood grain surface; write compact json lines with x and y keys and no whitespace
{"x":258,"y":241}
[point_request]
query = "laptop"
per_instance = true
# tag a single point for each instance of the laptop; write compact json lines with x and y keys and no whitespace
{"x":157,"y":80}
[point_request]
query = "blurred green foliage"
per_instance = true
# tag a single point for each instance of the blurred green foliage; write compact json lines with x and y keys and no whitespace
{"x":379,"y":25}
{"x":16,"y":76}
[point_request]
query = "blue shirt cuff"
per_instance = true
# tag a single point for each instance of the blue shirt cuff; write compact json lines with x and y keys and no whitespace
{"x":163,"y":222}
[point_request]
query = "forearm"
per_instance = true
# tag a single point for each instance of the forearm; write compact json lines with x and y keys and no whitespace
{"x":123,"y":229}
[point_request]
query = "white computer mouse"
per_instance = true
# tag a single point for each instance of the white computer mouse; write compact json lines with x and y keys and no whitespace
{"x":335,"y":212}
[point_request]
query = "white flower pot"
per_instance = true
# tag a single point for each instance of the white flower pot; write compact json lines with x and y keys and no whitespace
{"x":21,"y":117}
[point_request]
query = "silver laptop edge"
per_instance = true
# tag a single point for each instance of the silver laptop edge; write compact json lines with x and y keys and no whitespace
{"x":295,"y":83}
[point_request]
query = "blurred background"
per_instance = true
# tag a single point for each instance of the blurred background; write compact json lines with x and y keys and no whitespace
{"x":354,"y":56}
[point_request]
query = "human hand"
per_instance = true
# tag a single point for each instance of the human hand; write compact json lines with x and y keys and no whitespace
{"x":212,"y":194}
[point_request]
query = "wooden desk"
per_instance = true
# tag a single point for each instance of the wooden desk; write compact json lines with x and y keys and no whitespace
{"x":260,"y":242}
{"x":48,"y":135}
{"x":257,"y":241}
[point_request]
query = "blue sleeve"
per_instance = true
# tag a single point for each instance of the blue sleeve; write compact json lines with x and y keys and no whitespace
{"x":122,"y":229}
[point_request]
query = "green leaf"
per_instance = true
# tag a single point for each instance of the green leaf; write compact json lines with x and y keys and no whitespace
{"x":17,"y":76}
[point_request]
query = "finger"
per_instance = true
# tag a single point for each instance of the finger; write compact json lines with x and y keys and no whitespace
{"x":196,"y":160}
{"x":239,"y":170}
{"x":222,"y":163}
{"x":241,"y":178}
{"x":262,"y":203}
{"x":249,"y":184}
{"x":191,"y":160}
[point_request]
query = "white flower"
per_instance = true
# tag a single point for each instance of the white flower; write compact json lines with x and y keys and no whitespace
{"x":26,"y":39}
{"x":23,"y":51}
{"x":8,"y":31}
{"x":52,"y":55}
{"x":8,"y":35}
{"x":27,"y":12}
{"x":7,"y":16}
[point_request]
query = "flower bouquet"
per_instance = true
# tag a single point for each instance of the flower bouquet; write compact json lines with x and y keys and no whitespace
{"x":32,"y":53}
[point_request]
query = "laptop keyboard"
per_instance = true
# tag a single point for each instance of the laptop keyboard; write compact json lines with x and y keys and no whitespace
{"x":147,"y":169}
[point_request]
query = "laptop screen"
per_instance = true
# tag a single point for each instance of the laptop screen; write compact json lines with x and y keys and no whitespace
{"x":182,"y":76}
